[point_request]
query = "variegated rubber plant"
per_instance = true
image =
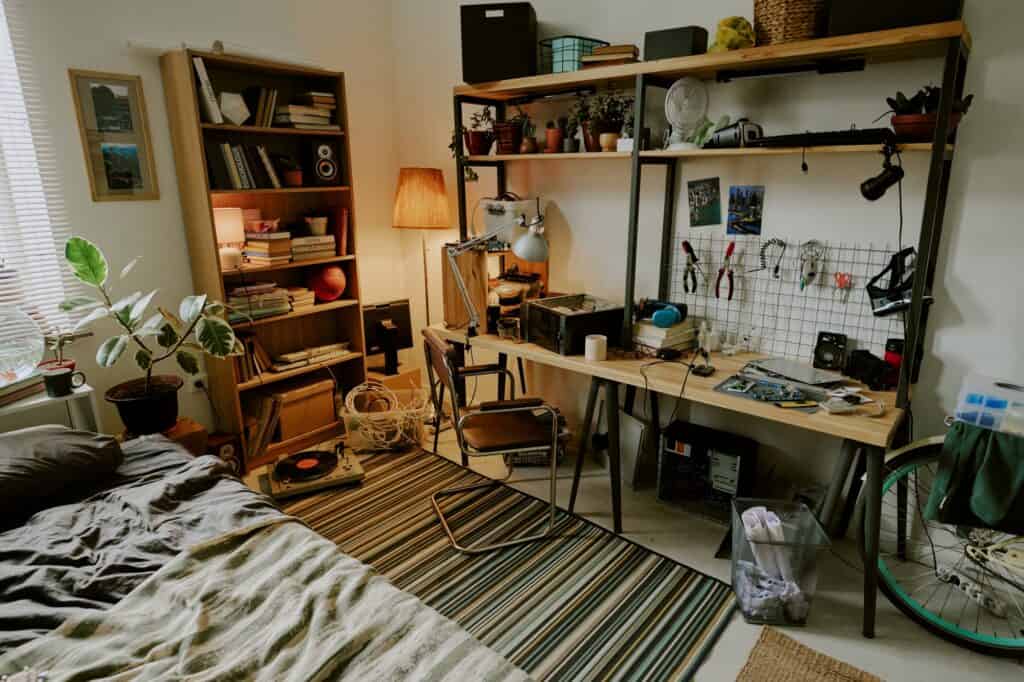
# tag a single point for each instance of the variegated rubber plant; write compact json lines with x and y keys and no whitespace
{"x":198,"y":327}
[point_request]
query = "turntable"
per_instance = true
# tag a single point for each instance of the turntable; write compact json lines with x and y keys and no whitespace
{"x":305,"y":472}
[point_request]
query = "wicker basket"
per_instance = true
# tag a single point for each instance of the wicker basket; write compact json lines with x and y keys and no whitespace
{"x":786,"y":21}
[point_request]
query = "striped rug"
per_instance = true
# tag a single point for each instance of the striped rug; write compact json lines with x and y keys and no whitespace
{"x":585,"y":605}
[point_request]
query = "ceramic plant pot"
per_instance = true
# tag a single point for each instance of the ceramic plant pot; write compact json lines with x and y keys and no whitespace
{"x":292,"y":178}
{"x":144,"y":412}
{"x":591,"y":143}
{"x":553,"y":138}
{"x":478,"y":142}
{"x":528,"y":146}
{"x":609,"y":141}
{"x":509,"y":136}
{"x":920,"y":127}
{"x":570,"y":145}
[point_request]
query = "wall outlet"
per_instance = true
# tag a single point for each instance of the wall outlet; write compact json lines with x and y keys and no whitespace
{"x":197,"y":382}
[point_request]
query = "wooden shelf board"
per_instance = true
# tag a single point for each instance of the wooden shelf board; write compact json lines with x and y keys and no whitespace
{"x":552,"y":157}
{"x":913,"y":42}
{"x":266,"y":130}
{"x":273,"y":377}
{"x":283,"y":190}
{"x":706,"y":153}
{"x":256,"y":269}
{"x":315,"y":310}
{"x":262,"y":65}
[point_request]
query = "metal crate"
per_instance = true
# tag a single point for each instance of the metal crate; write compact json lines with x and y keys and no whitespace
{"x":563,"y":54}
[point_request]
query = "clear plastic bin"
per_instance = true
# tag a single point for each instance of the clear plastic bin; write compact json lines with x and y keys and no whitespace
{"x":775,"y":564}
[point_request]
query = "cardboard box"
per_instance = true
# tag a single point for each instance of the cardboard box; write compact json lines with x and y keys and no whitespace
{"x":306,"y":407}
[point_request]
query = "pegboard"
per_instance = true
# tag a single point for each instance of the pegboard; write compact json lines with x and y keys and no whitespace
{"x":773,"y":314}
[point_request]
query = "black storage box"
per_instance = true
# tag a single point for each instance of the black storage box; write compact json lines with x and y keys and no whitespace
{"x":498,"y":41}
{"x":675,"y":42}
{"x":562,"y":323}
{"x":864,"y":16}
{"x":705,"y":468}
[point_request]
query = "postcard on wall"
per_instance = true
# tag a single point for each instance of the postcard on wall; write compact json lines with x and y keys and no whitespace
{"x":705,"y":202}
{"x":112,"y":120}
{"x":746,"y":203}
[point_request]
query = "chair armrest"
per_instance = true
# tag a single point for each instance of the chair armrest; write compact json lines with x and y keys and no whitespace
{"x":477,"y":370}
{"x":521,"y":403}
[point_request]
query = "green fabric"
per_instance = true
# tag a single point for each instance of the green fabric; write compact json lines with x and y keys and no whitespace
{"x":980,"y":480}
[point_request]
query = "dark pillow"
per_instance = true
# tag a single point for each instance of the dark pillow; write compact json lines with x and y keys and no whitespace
{"x":44,"y":466}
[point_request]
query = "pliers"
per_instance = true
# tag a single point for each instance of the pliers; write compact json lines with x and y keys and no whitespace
{"x":726,"y":269}
{"x":692,"y":268}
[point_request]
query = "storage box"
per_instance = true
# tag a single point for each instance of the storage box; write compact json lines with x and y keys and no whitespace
{"x":775,"y":567}
{"x":675,"y":42}
{"x":564,"y":53}
{"x":498,"y":41}
{"x":305,"y":408}
{"x":863,"y":16}
{"x":561,"y":323}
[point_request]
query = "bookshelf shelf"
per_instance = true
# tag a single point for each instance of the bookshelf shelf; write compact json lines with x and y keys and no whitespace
{"x":200,"y":163}
{"x":272,"y":130}
{"x":268,"y":378}
{"x":314,"y":310}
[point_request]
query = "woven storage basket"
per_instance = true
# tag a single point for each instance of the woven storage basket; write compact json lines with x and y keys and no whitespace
{"x":785,"y":21}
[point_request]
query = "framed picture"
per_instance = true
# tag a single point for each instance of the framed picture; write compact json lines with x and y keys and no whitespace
{"x":113,"y":123}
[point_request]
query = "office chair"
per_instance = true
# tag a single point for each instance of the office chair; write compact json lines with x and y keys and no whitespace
{"x":499,"y":427}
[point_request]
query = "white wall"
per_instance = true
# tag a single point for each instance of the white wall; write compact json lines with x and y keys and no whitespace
{"x":976,"y":323}
{"x":344,"y":35}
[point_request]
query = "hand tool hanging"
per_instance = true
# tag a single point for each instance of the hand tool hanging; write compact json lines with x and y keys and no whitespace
{"x":844,"y":285}
{"x":692,"y":268}
{"x":773,"y":243}
{"x":726,"y":269}
{"x":812,"y":253}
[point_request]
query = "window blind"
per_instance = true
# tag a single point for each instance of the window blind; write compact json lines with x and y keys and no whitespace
{"x":33,"y":222}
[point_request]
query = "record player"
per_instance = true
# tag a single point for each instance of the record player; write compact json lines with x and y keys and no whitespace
{"x":330,"y":464}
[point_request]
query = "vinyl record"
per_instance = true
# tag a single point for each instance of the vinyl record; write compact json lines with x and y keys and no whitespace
{"x":306,"y":466}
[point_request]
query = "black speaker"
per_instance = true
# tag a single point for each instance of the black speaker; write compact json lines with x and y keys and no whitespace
{"x":864,"y":16}
{"x":675,"y":42}
{"x":498,"y":41}
{"x":324,"y":161}
{"x":830,"y":351}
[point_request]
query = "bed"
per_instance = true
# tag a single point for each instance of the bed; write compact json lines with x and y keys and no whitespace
{"x":171,"y":567}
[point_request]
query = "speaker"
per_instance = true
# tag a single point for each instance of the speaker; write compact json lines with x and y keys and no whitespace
{"x":675,"y":42}
{"x":830,"y":351}
{"x":863,"y":16}
{"x":324,"y":160}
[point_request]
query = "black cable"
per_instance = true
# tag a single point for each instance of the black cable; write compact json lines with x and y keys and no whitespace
{"x":899,"y":190}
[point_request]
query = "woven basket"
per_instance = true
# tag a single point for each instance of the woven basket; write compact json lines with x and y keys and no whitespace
{"x":786,"y":21}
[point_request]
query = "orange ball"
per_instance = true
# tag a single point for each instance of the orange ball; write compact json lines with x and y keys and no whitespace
{"x":328,"y":283}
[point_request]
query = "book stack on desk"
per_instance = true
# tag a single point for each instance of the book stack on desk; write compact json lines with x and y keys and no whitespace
{"x":649,"y":339}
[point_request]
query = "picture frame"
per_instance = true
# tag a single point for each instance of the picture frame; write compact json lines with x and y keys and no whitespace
{"x":114,"y":126}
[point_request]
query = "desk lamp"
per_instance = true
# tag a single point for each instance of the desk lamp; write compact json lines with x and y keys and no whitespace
{"x":421,"y":203}
{"x":230,"y":228}
{"x":531,"y":246}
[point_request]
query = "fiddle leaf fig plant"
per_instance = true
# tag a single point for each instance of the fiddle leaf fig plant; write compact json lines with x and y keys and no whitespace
{"x":197,"y":328}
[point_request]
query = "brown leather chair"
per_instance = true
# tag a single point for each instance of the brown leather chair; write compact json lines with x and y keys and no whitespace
{"x":500,"y":427}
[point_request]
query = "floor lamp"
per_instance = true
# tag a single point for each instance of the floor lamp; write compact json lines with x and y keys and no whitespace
{"x":421,"y":203}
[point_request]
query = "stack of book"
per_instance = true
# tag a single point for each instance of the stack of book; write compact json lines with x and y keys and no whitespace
{"x":611,"y":54}
{"x":649,"y":339}
{"x":313,"y":248}
{"x":262,"y":102}
{"x":254,"y":301}
{"x":301,"y":298}
{"x":268,"y":248}
{"x":21,"y":389}
{"x":255,"y":361}
{"x":314,"y":116}
{"x":310,"y":356}
{"x":242,"y":167}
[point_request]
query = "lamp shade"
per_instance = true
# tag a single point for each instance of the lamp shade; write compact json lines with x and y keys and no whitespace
{"x":421,"y":202}
{"x":531,"y":247}
{"x":229,"y":224}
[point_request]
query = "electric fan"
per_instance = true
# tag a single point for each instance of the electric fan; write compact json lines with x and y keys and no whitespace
{"x":686,"y":106}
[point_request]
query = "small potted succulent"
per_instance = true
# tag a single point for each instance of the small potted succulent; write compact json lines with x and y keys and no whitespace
{"x":570,"y":144}
{"x":510,"y":133}
{"x":554,"y":134}
{"x":480,"y":135}
{"x":914,"y":118}
{"x":291,"y":172}
{"x":529,"y":143}
{"x":148,"y":404}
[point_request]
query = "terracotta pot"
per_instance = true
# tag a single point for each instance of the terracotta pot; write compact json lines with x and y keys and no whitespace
{"x":921,"y":127}
{"x":609,"y":141}
{"x":509,"y":136}
{"x":528,"y":146}
{"x":553,"y":137}
{"x":570,"y":145}
{"x":478,"y":142}
{"x":53,"y":364}
{"x":590,"y":137}
{"x":292,"y":178}
{"x":145,"y":412}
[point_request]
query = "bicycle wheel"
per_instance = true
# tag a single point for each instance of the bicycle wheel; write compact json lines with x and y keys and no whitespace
{"x":963,"y":584}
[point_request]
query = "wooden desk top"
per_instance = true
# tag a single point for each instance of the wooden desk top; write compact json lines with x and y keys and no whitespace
{"x":666,"y":378}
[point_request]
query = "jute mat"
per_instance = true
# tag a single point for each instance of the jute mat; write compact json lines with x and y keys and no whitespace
{"x":778,"y":658}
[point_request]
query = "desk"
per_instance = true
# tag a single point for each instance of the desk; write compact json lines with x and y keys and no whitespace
{"x":870,"y":435}
{"x":81,"y":406}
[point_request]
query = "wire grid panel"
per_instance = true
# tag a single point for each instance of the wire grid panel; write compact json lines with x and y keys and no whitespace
{"x":772,"y":315}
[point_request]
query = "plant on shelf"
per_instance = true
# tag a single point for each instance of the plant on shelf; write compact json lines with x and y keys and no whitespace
{"x":148,"y":404}
{"x":609,"y":112}
{"x":467,"y":171}
{"x":57,"y":341}
{"x":510,"y":133}
{"x":570,"y":144}
{"x":553,"y":136}
{"x":480,"y":135}
{"x":704,"y":130}
{"x":580,"y":115}
{"x":529,"y":143}
{"x":914,"y":117}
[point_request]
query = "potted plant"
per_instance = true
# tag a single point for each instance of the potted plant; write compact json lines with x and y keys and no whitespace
{"x":291,"y":172}
{"x":570,"y":145}
{"x":509,"y":133}
{"x":608,"y":115}
{"x":480,"y":135}
{"x":468,"y":173}
{"x":553,"y":136}
{"x":581,"y":114}
{"x":914,"y":118}
{"x":56,"y":342}
{"x":148,"y":404}
{"x":529,"y":143}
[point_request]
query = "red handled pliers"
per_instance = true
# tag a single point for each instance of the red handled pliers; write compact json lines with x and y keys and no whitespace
{"x":726,"y":269}
{"x":692,"y":268}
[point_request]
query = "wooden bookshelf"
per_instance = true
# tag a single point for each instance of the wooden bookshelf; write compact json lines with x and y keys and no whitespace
{"x":195,"y":140}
